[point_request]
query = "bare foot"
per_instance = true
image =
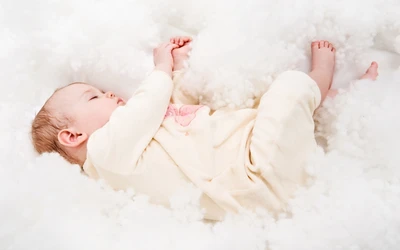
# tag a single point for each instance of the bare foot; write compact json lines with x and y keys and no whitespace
{"x":322,"y":65}
{"x":372,"y":72}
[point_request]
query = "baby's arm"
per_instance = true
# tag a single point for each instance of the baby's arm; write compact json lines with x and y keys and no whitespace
{"x":118,"y":145}
{"x":179,"y":94}
{"x":180,"y":56}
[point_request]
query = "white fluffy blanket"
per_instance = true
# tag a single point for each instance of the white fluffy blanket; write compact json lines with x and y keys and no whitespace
{"x":239,"y":48}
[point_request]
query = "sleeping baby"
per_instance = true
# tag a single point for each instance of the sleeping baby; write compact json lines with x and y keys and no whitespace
{"x":161,"y":140}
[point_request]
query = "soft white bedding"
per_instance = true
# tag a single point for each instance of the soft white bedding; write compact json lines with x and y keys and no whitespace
{"x":239,"y":47}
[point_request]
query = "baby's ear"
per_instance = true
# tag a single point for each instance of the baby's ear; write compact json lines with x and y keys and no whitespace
{"x":71,"y":138}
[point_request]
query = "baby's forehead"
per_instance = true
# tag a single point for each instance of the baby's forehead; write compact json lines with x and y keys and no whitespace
{"x":71,"y":92}
{"x":76,"y":89}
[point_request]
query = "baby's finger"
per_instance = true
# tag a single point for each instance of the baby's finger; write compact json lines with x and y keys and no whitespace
{"x":163,"y":45}
{"x":176,"y":40}
{"x":187,"y":39}
{"x":167,"y":44}
{"x":172,"y":46}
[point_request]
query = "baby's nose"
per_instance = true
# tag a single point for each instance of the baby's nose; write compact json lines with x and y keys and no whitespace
{"x":110,"y":94}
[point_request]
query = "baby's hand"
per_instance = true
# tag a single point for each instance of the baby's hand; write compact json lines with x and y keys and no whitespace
{"x":180,"y":54}
{"x":180,"y":40}
{"x":163,"y":57}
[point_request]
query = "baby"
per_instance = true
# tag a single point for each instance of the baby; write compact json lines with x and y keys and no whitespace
{"x":160,"y":140}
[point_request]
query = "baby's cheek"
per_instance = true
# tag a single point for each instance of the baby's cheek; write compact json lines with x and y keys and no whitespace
{"x":96,"y":120}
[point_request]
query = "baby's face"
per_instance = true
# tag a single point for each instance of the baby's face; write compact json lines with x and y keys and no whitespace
{"x":89,"y":107}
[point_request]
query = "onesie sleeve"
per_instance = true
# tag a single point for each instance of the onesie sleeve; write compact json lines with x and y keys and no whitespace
{"x":179,"y":95}
{"x":118,"y":145}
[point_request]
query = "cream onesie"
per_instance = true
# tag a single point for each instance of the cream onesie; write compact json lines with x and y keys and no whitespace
{"x":240,"y":159}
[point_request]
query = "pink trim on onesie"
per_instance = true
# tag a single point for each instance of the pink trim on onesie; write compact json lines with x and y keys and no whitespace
{"x":184,"y":115}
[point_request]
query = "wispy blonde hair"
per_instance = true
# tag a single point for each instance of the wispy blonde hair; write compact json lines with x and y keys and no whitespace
{"x":45,"y":128}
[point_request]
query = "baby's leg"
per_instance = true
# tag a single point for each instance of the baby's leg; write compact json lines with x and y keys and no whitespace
{"x":283,"y":134}
{"x":371,"y":73}
{"x":322,"y":67}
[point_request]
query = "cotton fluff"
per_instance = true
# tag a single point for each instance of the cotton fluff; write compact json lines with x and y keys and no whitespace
{"x":239,"y":48}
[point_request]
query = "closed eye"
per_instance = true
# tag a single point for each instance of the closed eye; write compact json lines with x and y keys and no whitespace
{"x":94,"y":97}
